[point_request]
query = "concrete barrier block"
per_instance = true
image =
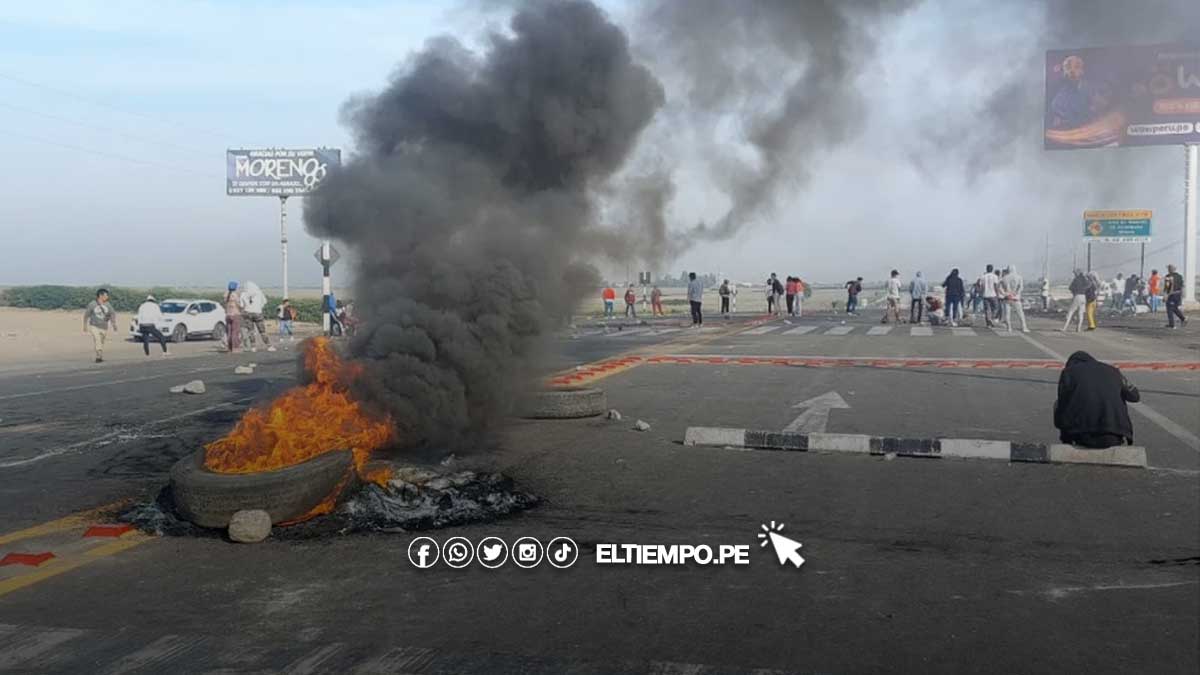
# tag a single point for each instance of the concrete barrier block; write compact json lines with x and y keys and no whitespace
{"x":714,"y":436}
{"x":976,"y":448}
{"x":840,"y":442}
{"x":1121,"y":455}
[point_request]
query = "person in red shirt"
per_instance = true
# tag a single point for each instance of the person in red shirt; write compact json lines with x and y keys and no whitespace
{"x":1155,"y":290}
{"x":790,"y":293}
{"x":631,"y":303}
{"x":656,"y":307}
{"x":610,"y":297}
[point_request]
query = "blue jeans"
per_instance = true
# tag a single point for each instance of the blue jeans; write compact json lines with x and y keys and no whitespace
{"x":1154,"y":300}
{"x":285,"y":327}
{"x":608,"y":308}
{"x":954,"y":309}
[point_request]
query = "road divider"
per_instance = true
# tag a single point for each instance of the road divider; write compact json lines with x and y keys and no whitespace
{"x":969,"y":448}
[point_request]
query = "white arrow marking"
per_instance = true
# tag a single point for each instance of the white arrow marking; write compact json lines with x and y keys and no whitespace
{"x":816,"y":417}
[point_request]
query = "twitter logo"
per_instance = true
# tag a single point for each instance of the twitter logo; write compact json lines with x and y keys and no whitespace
{"x":492,"y":552}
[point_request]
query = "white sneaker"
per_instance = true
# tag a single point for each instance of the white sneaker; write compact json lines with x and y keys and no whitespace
{"x":166,"y":354}
{"x":271,"y":348}
{"x":254,"y":349}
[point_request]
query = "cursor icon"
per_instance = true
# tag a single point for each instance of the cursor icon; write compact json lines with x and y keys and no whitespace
{"x":786,"y":548}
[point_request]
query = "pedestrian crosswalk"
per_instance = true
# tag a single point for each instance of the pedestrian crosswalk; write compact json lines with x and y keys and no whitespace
{"x":877,"y":330}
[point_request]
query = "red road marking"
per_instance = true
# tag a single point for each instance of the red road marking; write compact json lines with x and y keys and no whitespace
{"x":31,"y":559}
{"x":107,"y":530}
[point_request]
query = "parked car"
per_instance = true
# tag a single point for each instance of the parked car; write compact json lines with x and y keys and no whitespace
{"x":183,"y":319}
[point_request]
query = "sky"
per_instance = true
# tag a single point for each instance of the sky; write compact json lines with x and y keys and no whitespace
{"x":116,"y":115}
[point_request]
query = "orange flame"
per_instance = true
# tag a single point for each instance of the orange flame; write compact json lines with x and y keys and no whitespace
{"x":305,"y":422}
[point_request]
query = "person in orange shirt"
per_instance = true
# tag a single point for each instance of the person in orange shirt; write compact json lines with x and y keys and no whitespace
{"x":1155,"y":289}
{"x":610,"y":297}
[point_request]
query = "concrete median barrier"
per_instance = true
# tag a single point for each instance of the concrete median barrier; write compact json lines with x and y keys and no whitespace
{"x":967,"y":448}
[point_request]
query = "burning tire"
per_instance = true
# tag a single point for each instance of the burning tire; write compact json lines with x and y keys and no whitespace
{"x":210,"y":499}
{"x":566,"y":404}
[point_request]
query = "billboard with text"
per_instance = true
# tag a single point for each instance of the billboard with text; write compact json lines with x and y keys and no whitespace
{"x":1122,"y":96}
{"x":278,"y":171}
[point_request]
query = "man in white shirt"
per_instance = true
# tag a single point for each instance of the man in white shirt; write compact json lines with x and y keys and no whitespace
{"x":695,"y":293}
{"x":149,"y":315}
{"x":1011,"y":285}
{"x":893,"y":298}
{"x":991,"y":295}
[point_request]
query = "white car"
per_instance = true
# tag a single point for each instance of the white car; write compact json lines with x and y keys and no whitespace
{"x":188,"y":318}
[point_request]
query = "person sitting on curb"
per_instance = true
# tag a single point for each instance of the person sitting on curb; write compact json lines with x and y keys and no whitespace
{"x":1091,"y":410}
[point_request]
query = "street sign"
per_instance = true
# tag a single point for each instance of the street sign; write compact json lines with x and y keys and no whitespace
{"x":334,"y":256}
{"x":1121,"y":227}
{"x":644,"y":278}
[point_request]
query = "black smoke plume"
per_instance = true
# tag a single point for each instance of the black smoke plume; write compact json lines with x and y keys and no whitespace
{"x":469,"y":206}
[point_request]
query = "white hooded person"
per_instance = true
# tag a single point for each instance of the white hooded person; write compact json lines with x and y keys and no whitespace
{"x":253,"y":302}
{"x":1011,"y":285}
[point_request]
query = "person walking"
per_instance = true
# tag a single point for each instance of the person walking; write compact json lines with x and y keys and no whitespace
{"x":917,"y":290}
{"x":1011,"y":285}
{"x":631,"y":302}
{"x":1130,"y":292}
{"x":800,"y":289}
{"x":853,"y":288}
{"x":790,"y":291}
{"x":725,"y":293}
{"x":695,"y":293}
{"x":149,"y":315}
{"x":656,"y":308}
{"x":286,"y":315}
{"x":609,"y":295}
{"x":253,"y":303}
{"x":893,"y":298}
{"x":1079,"y":287}
{"x":989,"y":284}
{"x":1173,"y":289}
{"x":770,"y":289}
{"x":1092,"y":406}
{"x":955,"y":293}
{"x":1155,"y":290}
{"x":1095,"y":285}
{"x":233,"y":317}
{"x":1045,"y":294}
{"x":97,"y":317}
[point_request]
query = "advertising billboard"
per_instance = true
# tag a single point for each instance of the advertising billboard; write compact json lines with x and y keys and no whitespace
{"x":278,"y":171}
{"x":1120,"y":227}
{"x":1122,"y":96}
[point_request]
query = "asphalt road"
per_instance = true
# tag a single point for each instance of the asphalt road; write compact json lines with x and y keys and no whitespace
{"x":930,"y":565}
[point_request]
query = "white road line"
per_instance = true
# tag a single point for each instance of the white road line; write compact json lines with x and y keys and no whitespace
{"x":19,"y":647}
{"x":963,"y":332}
{"x":761,"y":330}
{"x":802,"y":330}
{"x":879,"y":330}
{"x":108,"y":383}
{"x":839,"y":330}
{"x":62,"y":450}
{"x":921,"y":331}
{"x":1166,"y":424}
{"x":1004,"y":332}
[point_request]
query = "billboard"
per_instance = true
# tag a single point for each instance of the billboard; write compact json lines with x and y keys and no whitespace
{"x":1120,"y":227}
{"x":1122,"y":96}
{"x":278,"y":171}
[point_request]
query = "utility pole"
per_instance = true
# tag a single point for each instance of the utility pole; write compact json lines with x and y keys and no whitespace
{"x":283,"y":239}
{"x":1189,"y":221}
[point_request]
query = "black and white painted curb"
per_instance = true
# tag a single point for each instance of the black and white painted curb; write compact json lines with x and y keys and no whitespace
{"x":1128,"y":455}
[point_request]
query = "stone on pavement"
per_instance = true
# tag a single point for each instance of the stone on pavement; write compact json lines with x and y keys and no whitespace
{"x":614,"y":415}
{"x":249,"y":527}
{"x":641,"y":426}
{"x":193,"y":387}
{"x":244,"y":370}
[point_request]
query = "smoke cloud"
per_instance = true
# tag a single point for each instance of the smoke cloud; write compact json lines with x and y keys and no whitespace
{"x":470,"y":207}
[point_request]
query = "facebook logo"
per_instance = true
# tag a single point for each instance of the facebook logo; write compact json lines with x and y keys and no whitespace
{"x":423,"y":552}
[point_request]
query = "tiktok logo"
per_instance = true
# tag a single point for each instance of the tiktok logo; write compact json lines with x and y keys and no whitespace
{"x":562,"y":552}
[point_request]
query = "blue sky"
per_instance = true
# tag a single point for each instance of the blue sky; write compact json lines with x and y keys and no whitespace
{"x":115,"y":117}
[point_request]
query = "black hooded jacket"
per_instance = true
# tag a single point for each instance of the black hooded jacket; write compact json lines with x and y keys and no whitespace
{"x":1091,"y":399}
{"x":954,"y":287}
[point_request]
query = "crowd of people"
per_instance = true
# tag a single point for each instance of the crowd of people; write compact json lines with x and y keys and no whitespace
{"x":995,"y":296}
{"x":244,"y":305}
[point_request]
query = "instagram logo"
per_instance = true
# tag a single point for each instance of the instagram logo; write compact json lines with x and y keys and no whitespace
{"x":527,"y":552}
{"x":562,"y":552}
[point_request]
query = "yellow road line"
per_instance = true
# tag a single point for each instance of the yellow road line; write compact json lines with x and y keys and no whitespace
{"x":58,"y":566}
{"x":81,"y":519}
